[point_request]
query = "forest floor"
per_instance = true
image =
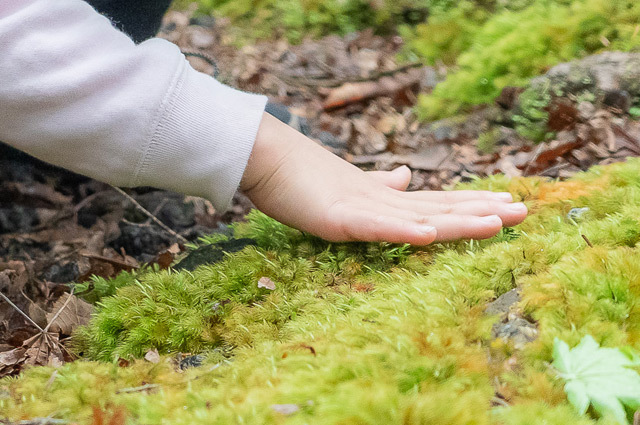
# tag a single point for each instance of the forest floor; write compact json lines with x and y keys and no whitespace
{"x":356,"y":99}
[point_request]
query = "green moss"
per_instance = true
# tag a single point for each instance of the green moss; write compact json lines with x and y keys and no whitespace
{"x":363,"y":333}
{"x":514,"y":43}
{"x":531,"y":119}
{"x":487,"y":141}
{"x":296,"y":19}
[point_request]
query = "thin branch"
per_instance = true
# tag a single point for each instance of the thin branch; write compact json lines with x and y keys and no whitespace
{"x":312,"y":82}
{"x":141,"y":388}
{"x":151,"y":216}
{"x":499,"y":402}
{"x":532,"y":159}
{"x":586,"y":239}
{"x":36,"y":421}
{"x":26,"y":316}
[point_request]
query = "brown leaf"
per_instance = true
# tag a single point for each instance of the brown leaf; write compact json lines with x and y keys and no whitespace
{"x":14,"y":275}
{"x":265,"y":282}
{"x":43,"y":349}
{"x":11,"y":357}
{"x":507,"y":167}
{"x":107,"y":267}
{"x":363,"y":287}
{"x":165,"y":258}
{"x":556,"y":149}
{"x":37,"y":314}
{"x":125,"y":263}
{"x":350,"y":93}
{"x":391,"y":123}
{"x":508,"y":97}
{"x":368,"y":139}
{"x":563,"y":115}
{"x":118,"y":418}
{"x":76,"y":313}
{"x":431,"y":158}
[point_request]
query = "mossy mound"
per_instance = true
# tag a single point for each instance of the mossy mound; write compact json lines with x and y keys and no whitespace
{"x":511,"y":42}
{"x":363,"y":333}
{"x":294,"y":19}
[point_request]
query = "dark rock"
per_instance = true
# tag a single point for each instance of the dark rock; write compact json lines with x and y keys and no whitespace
{"x":18,"y":249}
{"x":16,"y":218}
{"x":618,"y":100}
{"x":62,"y":274}
{"x":328,"y":139}
{"x":503,"y":303}
{"x":168,"y":207}
{"x":512,"y":327}
{"x":141,"y":241}
{"x":211,"y":254}
{"x":597,"y":74}
{"x":191,"y":361}
{"x":517,"y":330}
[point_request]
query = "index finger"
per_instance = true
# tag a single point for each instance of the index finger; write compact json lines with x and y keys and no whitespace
{"x":454,"y":196}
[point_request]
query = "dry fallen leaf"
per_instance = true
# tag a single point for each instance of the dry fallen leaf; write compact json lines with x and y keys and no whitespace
{"x":350,"y":93}
{"x":76,"y":313}
{"x":10,"y":358}
{"x":37,"y":314}
{"x":107,"y":267}
{"x":267,"y":283}
{"x":43,"y":349}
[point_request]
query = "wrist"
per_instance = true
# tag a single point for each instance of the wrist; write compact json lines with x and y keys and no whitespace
{"x":275,"y":141}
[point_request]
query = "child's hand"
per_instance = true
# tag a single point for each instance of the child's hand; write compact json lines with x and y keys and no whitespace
{"x":299,"y":183}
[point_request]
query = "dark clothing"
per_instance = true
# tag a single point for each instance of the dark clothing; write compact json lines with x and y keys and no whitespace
{"x":140,"y":19}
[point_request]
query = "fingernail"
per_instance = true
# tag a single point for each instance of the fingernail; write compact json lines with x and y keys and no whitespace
{"x":503,"y":196}
{"x":517,"y":208}
{"x":492,"y":219}
{"x":402,"y":167}
{"x":426,"y":229}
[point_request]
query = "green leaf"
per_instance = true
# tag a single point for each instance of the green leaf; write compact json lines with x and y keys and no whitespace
{"x":598,"y":376}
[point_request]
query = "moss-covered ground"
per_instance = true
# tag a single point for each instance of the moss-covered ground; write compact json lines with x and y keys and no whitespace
{"x":361,"y":333}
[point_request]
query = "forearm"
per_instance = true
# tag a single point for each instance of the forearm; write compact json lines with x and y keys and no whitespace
{"x":77,"y":93}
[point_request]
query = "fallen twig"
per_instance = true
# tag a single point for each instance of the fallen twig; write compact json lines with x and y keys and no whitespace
{"x":336,"y":82}
{"x":151,"y":216}
{"x":586,"y":239}
{"x":141,"y":388}
{"x":25,"y":315}
{"x":36,"y":421}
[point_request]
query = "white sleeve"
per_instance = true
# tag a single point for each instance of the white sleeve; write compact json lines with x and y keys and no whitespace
{"x":76,"y":92}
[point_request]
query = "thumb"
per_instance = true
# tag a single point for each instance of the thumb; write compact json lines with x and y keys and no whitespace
{"x":396,"y":179}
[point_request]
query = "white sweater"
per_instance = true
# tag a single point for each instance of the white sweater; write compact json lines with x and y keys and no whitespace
{"x":77,"y":93}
